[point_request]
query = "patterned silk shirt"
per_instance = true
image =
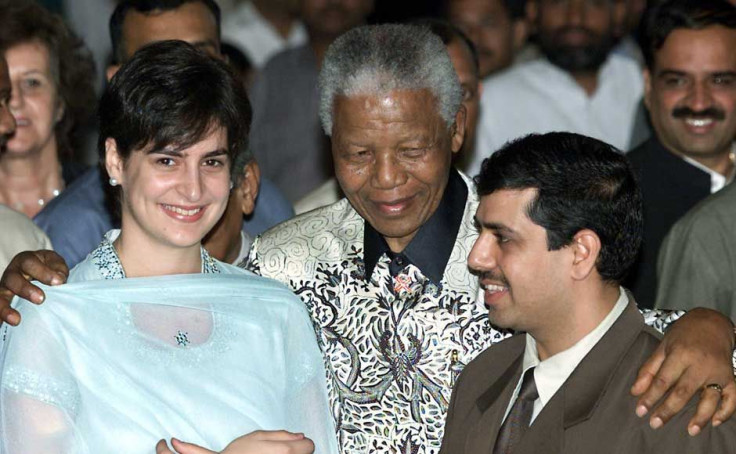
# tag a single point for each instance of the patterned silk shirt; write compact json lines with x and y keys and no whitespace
{"x":394,"y":338}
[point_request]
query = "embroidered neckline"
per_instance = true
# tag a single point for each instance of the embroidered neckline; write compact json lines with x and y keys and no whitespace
{"x":105,"y":258}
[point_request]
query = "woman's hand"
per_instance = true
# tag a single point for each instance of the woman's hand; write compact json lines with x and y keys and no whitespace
{"x":258,"y":442}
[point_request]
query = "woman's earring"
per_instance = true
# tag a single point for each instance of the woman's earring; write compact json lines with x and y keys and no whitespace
{"x":232,"y":185}
{"x":113,"y":182}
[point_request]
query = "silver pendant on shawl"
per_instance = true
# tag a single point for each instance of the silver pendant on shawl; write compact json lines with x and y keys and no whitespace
{"x":182,"y":339}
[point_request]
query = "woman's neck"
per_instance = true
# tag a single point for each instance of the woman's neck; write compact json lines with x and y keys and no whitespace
{"x":143,"y":257}
{"x":30,"y":180}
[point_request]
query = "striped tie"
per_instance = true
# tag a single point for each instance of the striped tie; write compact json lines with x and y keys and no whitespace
{"x":517,"y":422}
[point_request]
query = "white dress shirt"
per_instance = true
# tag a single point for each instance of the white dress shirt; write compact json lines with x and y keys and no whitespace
{"x":540,"y":97}
{"x":551,"y":374}
{"x":255,"y":36}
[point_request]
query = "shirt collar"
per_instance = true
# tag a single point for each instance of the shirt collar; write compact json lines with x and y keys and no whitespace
{"x":431,"y":247}
{"x":552,"y":373}
{"x":717,"y":181}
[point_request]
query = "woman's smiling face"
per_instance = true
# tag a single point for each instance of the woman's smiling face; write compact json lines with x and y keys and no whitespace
{"x":35,"y":101}
{"x":173,"y":197}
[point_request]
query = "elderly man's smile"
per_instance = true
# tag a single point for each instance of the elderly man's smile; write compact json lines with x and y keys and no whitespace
{"x":395,"y":207}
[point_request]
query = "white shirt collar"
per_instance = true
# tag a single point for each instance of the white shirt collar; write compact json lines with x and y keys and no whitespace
{"x":551,"y":374}
{"x":717,"y":181}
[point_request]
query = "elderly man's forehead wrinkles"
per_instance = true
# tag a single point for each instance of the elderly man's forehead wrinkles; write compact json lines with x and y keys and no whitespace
{"x":386,"y":104}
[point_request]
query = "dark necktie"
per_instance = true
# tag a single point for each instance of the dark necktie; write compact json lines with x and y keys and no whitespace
{"x":517,"y":421}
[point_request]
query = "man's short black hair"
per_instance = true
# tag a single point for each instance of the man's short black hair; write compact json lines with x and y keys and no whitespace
{"x":671,"y":15}
{"x":146,"y":7}
{"x":172,"y":95}
{"x":581,"y":183}
{"x":516,"y":9}
{"x":449,"y":33}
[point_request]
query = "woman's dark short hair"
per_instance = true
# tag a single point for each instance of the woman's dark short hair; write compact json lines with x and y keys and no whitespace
{"x":671,"y":15}
{"x":171,"y":95}
{"x":71,"y":64}
{"x":581,"y":183}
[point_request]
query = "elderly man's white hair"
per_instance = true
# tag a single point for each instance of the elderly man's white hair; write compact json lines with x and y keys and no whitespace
{"x":379,"y":59}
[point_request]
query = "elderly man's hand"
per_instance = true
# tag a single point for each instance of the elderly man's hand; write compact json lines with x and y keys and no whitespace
{"x":45,"y":266}
{"x":696,"y":351}
{"x":258,"y":442}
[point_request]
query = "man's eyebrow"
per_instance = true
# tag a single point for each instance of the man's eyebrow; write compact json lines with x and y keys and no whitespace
{"x":493,"y":226}
{"x":670,"y":72}
{"x":723,"y":74}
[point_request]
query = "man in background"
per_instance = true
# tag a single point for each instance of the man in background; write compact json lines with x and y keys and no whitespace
{"x":578,"y":84}
{"x":690,"y":91}
{"x":263,"y":28}
{"x":497,"y":28}
{"x":286,"y":137}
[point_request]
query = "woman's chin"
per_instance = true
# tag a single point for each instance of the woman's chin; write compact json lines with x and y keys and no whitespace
{"x":17,"y":150}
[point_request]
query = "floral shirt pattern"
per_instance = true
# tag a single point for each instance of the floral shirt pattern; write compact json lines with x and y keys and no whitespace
{"x":393,"y":346}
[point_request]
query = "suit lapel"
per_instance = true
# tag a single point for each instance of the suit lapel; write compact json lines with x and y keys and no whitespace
{"x":586,"y":386}
{"x":493,"y":403}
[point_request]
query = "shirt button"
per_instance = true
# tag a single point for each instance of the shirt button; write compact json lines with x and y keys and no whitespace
{"x":400,"y":261}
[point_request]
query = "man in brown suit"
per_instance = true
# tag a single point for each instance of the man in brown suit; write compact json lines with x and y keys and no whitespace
{"x":560,"y":223}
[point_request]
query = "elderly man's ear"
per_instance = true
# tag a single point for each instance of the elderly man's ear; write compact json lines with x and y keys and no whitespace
{"x":248,"y":188}
{"x":457,"y":131}
{"x":110,"y":72}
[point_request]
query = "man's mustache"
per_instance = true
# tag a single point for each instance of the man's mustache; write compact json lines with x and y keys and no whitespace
{"x":333,"y":8}
{"x":686,"y":112}
{"x":576,"y":29}
{"x":496,"y":277}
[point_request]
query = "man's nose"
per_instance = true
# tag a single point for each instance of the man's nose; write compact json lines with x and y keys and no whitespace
{"x":576,"y":13}
{"x":388,"y":172}
{"x":699,"y":97}
{"x":482,"y":256}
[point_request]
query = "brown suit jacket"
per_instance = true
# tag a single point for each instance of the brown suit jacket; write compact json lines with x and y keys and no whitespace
{"x":593,"y":411}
